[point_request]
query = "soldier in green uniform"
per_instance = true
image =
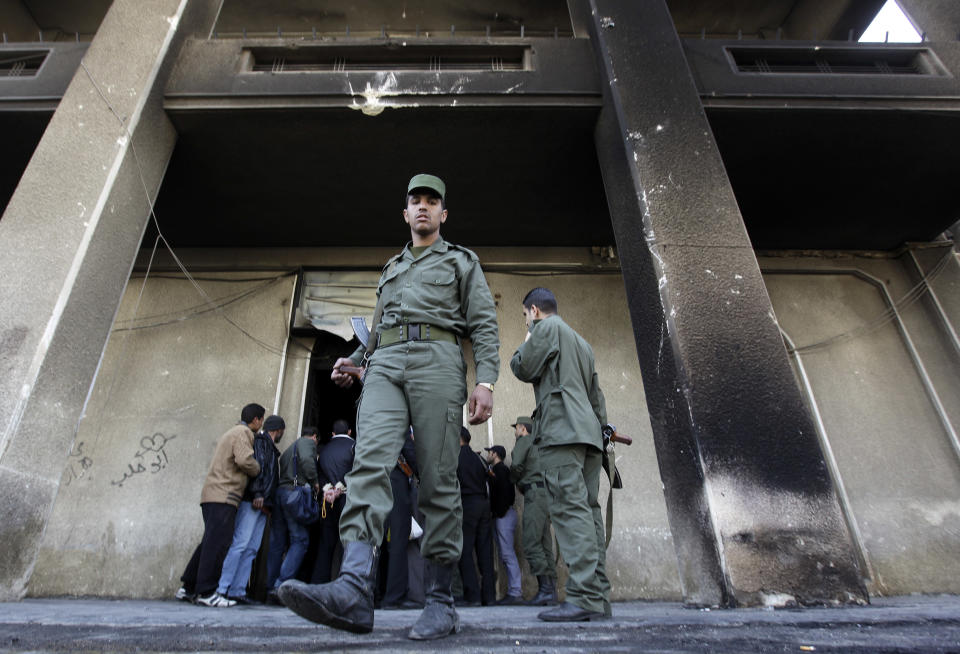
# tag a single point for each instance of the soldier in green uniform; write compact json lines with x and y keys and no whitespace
{"x":526,"y":473}
{"x":430,"y":295}
{"x":567,"y":421}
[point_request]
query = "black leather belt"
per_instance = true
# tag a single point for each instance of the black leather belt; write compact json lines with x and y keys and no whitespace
{"x":536,"y":484}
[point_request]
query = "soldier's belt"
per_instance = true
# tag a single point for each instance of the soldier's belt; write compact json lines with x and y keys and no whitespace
{"x":525,"y":487}
{"x":418,"y":332}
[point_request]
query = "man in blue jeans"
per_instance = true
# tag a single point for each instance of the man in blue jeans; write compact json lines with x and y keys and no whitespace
{"x":502,"y":497}
{"x":284,"y":525}
{"x":258,"y":501}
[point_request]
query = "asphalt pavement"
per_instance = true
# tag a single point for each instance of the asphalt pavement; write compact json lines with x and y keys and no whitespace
{"x":898,"y":624}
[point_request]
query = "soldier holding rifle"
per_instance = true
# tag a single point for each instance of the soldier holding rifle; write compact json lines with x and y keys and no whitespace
{"x":430,"y":295}
{"x":567,"y":424}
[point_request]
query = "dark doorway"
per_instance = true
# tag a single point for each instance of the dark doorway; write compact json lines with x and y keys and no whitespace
{"x":325,"y":401}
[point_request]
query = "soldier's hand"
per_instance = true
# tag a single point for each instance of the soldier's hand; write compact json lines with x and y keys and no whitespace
{"x":481,"y":405}
{"x":342,"y":379}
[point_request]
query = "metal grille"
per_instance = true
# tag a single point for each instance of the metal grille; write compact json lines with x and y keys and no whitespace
{"x":18,"y":63}
{"x":416,"y":58}
{"x":836,"y":61}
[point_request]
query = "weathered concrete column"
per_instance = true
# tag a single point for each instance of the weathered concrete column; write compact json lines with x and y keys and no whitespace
{"x":751,"y":505}
{"x":939,"y":19}
{"x":70,"y":234}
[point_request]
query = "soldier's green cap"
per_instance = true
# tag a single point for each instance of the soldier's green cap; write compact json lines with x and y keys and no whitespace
{"x":526,"y":421}
{"x":431,"y":182}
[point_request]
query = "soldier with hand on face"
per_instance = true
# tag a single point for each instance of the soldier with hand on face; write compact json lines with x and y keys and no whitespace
{"x":570,"y":411}
{"x":430,"y":296}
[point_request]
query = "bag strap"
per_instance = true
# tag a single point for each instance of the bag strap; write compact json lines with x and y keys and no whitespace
{"x":296,"y":465}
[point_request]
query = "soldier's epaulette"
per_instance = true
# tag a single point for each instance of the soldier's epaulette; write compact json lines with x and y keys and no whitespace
{"x":391,"y":264}
{"x":470,"y":253}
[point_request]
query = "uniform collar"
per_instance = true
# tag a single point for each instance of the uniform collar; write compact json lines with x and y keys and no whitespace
{"x":439,"y":245}
{"x":340,"y":436}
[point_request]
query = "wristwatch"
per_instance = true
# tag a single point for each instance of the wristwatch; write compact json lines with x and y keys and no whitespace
{"x":486,"y":385}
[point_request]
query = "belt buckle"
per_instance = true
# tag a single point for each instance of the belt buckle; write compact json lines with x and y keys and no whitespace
{"x":413,"y":332}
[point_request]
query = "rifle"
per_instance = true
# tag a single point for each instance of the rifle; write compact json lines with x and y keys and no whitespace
{"x":615,"y":436}
{"x":610,"y":436}
{"x":362,"y":333}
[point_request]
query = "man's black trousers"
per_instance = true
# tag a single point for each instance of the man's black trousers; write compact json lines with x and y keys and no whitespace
{"x":477,"y":538}
{"x":203,"y":570}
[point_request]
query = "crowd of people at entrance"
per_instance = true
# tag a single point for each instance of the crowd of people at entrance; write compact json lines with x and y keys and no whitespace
{"x":250,"y":507}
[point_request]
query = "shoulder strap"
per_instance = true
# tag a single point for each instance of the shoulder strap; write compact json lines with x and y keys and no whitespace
{"x":373,"y":338}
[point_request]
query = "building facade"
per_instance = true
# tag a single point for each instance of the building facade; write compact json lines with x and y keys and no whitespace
{"x":742,"y":208}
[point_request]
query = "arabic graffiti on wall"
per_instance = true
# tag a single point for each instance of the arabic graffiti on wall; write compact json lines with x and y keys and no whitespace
{"x":77,"y":464}
{"x":151,"y":457}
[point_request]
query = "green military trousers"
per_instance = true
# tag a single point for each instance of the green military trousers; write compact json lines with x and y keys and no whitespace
{"x":536,"y":538}
{"x":419,"y":384}
{"x":572,"y":473}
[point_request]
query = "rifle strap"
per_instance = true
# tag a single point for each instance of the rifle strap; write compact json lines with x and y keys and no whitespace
{"x":611,"y":469}
{"x":373,"y":338}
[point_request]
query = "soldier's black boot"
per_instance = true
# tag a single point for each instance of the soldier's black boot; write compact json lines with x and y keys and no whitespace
{"x":344,"y":603}
{"x":568,"y":612}
{"x":547,"y":595}
{"x":438,"y":618}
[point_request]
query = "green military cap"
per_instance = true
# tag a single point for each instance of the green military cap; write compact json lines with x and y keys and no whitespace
{"x":526,"y":421}
{"x":431,"y":182}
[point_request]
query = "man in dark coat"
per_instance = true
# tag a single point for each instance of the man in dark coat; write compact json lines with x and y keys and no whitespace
{"x":477,"y":527}
{"x":333,"y":464}
{"x":502,"y":497}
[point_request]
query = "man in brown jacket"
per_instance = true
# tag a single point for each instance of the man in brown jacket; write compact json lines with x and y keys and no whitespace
{"x":233,"y":463}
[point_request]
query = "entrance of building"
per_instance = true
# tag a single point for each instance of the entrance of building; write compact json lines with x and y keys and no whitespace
{"x":325,"y":401}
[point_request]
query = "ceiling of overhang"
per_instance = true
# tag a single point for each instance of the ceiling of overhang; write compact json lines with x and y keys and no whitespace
{"x":22,"y":132}
{"x":338,"y":177}
{"x":22,"y":19}
{"x":803,"y":179}
{"x":841,"y":179}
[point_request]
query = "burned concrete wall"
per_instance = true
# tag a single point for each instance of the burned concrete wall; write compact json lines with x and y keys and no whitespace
{"x":173,"y":379}
{"x":884,"y":378}
{"x":176,"y":373}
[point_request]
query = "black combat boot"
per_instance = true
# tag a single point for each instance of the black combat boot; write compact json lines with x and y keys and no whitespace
{"x":344,"y":603}
{"x":568,"y":612}
{"x":438,"y":618}
{"x":547,"y":595}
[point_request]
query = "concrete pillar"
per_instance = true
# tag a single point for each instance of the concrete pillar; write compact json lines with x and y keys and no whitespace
{"x":752,"y":508}
{"x":70,"y":234}
{"x":939,"y":19}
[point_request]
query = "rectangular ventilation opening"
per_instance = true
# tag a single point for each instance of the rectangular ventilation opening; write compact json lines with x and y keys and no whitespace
{"x":835,"y":61}
{"x":389,"y":58}
{"x":21,"y":63}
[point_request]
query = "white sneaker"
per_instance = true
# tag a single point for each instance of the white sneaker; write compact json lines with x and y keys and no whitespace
{"x":183,"y":595}
{"x":215,"y":600}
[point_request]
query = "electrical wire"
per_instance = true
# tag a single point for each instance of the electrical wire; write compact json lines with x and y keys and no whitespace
{"x":885,"y":317}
